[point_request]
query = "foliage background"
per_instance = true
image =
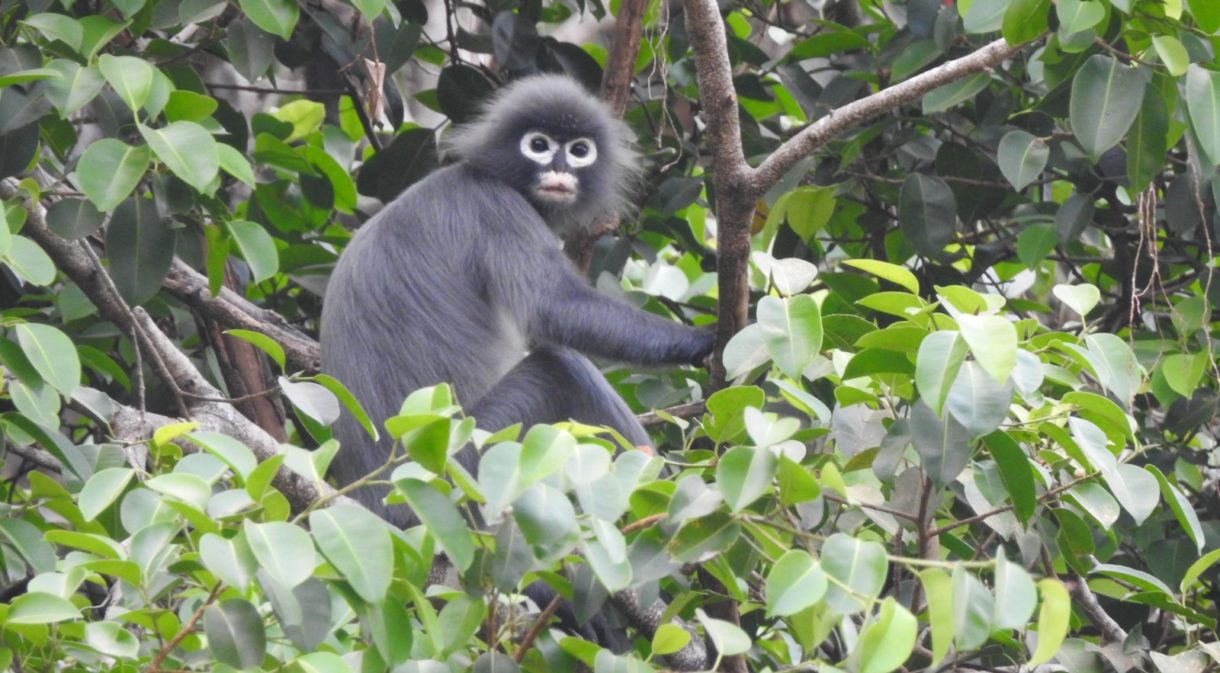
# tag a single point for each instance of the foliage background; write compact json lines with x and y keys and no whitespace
{"x":959,"y":256}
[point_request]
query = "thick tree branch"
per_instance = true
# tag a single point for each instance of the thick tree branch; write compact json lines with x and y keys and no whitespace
{"x":730,"y":173}
{"x":235,"y":311}
{"x":693,"y":657}
{"x":135,"y":425}
{"x":857,"y":112}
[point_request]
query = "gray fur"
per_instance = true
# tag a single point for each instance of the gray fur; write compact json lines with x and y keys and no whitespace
{"x":456,"y":278}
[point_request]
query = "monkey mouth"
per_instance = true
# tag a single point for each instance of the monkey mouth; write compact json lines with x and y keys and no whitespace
{"x":556,"y":187}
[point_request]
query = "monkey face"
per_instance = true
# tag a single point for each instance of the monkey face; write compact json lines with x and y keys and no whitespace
{"x":556,"y":181}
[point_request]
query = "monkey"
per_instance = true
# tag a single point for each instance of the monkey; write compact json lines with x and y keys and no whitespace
{"x":461,"y":279}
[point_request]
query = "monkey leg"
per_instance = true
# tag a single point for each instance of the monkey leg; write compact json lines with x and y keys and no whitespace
{"x":556,"y":384}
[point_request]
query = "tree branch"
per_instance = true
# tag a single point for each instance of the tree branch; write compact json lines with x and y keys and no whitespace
{"x":235,"y":311}
{"x":135,"y":425}
{"x":857,"y":112}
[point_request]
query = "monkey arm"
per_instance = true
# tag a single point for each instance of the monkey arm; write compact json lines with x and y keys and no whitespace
{"x":556,"y":306}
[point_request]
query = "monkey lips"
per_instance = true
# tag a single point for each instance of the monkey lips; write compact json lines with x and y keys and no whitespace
{"x":556,"y":187}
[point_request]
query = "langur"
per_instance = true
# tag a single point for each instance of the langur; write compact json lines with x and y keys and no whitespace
{"x":462,"y":280}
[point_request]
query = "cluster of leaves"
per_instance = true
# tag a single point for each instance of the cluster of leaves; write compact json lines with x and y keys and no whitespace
{"x":922,"y":460}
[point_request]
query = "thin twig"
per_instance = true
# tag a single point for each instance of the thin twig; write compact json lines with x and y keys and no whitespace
{"x":530,"y":636}
{"x":154,"y":666}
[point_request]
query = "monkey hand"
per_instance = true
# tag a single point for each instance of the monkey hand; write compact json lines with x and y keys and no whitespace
{"x":705,"y":348}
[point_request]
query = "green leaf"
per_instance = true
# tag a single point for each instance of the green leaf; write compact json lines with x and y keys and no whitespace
{"x":257,"y":248}
{"x":1171,"y":53}
{"x":701,"y":539}
{"x":185,"y":105}
{"x":547,"y":520}
{"x":1022,"y":157}
{"x":1025,"y":20}
{"x":887,"y":641}
{"x":1203,"y":103}
{"x":285,"y":551}
{"x":984,"y":16}
{"x":941,"y":355}
{"x":27,"y":540}
{"x":1077,"y":16}
{"x":235,"y":633}
{"x":73,"y":219}
{"x":277,"y":17}
{"x":324,"y":662}
{"x":1148,"y":142}
{"x":808,"y":209}
{"x":41,"y":608}
{"x":228,"y":449}
{"x":544,"y":451}
{"x":1079,"y":298}
{"x":112,"y":639}
{"x":357,"y":544}
{"x":1183,"y":510}
{"x":728,"y":638}
{"x":369,"y":8}
{"x":857,"y":569}
{"x":1197,"y":569}
{"x":942,"y":443}
{"x":53,"y":354}
{"x":231,"y":560}
{"x":58,"y":27}
{"x":669,"y":638}
{"x":73,"y":87}
{"x":102,"y":489}
{"x":306,"y":117}
{"x":795,"y":582}
{"x":1207,"y":15}
{"x":311,"y":399}
{"x":1106,"y":97}
{"x":791,"y":331}
{"x":109,"y":170}
{"x":1015,"y":595}
{"x":98,"y":31}
{"x":993,"y":341}
{"x":938,"y":587}
{"x":140,"y":248}
{"x":1115,"y":364}
{"x":1016,"y":472}
{"x":129,"y":76}
{"x":29,"y":261}
{"x":898,"y":275}
{"x":977,"y":401}
{"x":187,"y":149}
{"x":264,"y":343}
{"x":349,"y":402}
{"x":744,"y":474}
{"x":927,"y":214}
{"x":955,"y":93}
{"x":1035,"y":242}
{"x":235,"y":163}
{"x":1053,"y":620}
{"x":191,"y":489}
{"x":441,"y":519}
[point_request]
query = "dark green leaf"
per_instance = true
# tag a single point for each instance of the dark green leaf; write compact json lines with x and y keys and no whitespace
{"x":1106,"y":97}
{"x":140,"y":248}
{"x":927,"y":214}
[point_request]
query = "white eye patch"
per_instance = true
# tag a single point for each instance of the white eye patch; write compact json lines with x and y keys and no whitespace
{"x":538,"y":147}
{"x":580,"y":152}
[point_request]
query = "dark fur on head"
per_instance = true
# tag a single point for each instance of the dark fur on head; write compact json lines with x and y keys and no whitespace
{"x":555,"y":105}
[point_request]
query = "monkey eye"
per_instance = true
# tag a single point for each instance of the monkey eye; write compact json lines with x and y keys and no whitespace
{"x":538,"y":147}
{"x":581,"y":152}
